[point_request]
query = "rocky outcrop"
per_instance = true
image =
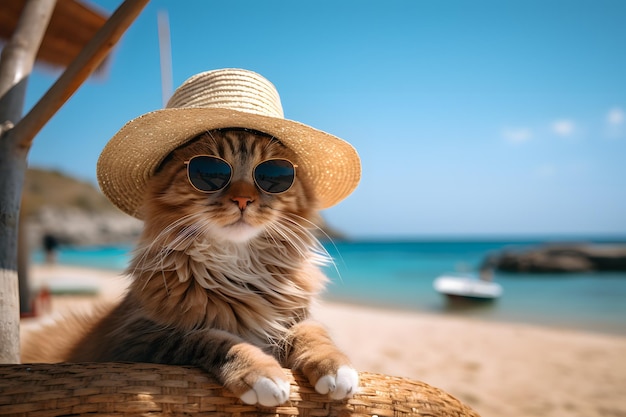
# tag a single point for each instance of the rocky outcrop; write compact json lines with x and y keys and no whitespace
{"x":561,"y":258}
{"x":71,"y":212}
{"x":76,"y":227}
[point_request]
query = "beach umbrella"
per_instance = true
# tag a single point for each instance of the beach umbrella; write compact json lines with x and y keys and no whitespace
{"x":77,"y":38}
{"x":71,"y":26}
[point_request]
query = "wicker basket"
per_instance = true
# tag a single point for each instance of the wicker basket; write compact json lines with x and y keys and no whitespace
{"x":126,"y":389}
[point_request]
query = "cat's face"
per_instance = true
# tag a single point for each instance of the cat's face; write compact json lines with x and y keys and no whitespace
{"x":240,"y":211}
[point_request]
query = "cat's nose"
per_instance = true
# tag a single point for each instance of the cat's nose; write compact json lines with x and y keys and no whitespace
{"x":242,"y":193}
{"x":242,"y":202}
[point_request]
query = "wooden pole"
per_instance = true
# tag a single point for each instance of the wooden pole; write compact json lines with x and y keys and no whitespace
{"x":16,"y":136}
{"x":16,"y":64}
{"x":165,"y":54}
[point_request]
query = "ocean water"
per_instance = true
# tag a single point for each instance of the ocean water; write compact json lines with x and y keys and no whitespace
{"x":400,"y":275}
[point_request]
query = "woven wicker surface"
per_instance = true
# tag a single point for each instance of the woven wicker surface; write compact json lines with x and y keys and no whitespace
{"x":124,"y":389}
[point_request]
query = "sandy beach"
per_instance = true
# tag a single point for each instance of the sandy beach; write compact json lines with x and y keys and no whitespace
{"x":499,"y":369}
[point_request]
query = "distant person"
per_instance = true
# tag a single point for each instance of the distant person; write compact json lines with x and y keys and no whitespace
{"x":50,"y":246}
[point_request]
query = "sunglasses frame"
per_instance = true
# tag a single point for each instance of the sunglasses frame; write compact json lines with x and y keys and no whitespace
{"x":187,"y":162}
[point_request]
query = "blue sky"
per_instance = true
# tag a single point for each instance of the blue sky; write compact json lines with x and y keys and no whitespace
{"x":472,"y":118}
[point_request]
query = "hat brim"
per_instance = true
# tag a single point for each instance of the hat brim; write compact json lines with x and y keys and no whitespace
{"x":131,"y":157}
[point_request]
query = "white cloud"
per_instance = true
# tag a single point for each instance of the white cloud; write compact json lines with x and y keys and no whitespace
{"x":615,"y":126}
{"x":615,"y":116}
{"x":563,"y":127}
{"x":517,"y":135}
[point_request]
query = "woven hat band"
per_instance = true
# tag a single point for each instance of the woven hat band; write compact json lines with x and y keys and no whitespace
{"x":232,"y":89}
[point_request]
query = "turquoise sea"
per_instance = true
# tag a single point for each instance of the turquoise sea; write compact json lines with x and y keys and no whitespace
{"x":399,"y":274}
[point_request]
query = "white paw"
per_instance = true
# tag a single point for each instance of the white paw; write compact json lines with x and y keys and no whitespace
{"x":340,"y":386}
{"x":267,"y":392}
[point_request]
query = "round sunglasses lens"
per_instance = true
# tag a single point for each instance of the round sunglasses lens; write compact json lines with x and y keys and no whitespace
{"x":207,"y":173}
{"x":275,"y":176}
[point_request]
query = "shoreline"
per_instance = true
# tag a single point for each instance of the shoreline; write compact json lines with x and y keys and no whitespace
{"x":497,"y":368}
{"x":471,"y":311}
{"x":457,"y":313}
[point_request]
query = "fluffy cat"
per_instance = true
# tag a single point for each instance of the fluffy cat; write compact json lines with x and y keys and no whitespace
{"x":222,"y":281}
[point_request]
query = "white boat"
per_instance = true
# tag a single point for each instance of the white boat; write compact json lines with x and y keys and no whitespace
{"x":467,"y":288}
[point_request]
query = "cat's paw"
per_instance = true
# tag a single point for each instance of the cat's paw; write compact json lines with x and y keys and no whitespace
{"x":267,"y":392}
{"x":341,"y":385}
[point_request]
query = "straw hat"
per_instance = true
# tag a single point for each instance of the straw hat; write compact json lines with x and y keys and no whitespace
{"x":227,"y":98}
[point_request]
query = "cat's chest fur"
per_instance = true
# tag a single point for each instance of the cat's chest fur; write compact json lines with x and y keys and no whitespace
{"x":258,"y":289}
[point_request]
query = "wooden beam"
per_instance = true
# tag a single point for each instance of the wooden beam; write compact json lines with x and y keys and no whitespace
{"x":16,"y":137}
{"x":18,"y":57}
{"x":78,"y":71}
{"x":16,"y":64}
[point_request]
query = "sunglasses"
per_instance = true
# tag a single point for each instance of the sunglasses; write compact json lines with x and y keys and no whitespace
{"x":210,"y":174}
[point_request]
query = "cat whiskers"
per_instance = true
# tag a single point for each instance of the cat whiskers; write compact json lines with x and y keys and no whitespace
{"x":293,"y":223}
{"x":148,"y":250}
{"x":325,"y":258}
{"x":290,"y":236}
{"x":299,"y":239}
{"x":154,"y":255}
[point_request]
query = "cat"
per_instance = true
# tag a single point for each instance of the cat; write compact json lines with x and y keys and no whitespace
{"x":222,"y":280}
